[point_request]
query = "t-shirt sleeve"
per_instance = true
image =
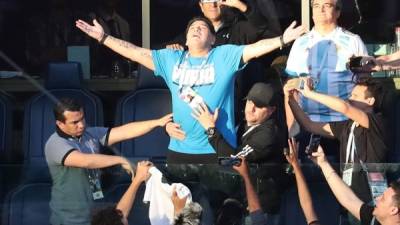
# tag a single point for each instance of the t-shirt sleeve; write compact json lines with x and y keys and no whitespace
{"x":292,"y":63}
{"x":366,"y":214}
{"x":162,"y":60}
{"x":360,"y":47}
{"x":338,"y":128}
{"x":233,"y":56}
{"x":57,"y":150}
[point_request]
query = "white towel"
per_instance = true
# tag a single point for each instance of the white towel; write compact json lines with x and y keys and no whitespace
{"x":161,"y":209}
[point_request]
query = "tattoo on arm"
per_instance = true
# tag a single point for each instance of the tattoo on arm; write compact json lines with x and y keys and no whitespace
{"x":127,"y":45}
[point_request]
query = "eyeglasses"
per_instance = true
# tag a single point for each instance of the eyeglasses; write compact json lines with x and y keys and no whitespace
{"x":324,"y":6}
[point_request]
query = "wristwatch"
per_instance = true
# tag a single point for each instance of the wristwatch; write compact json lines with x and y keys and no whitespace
{"x":210,"y":131}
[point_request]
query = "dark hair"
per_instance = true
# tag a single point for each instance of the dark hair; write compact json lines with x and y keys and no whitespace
{"x":374,"y":89}
{"x":338,"y":4}
{"x":107,"y":216}
{"x":66,"y":104}
{"x":205,"y":20}
{"x":396,"y":197}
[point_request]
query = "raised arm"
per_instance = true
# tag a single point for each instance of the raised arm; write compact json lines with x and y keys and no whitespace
{"x":127,"y":200}
{"x":95,"y":161}
{"x":265,"y":46}
{"x":141,"y":55}
{"x":136,"y":129}
{"x":251,"y":195}
{"x":302,"y":188}
{"x":298,"y":113}
{"x":337,"y":104}
{"x":342,"y":192}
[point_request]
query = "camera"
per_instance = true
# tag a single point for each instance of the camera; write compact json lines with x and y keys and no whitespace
{"x":229,"y":161}
{"x":360,"y":64}
{"x":313,"y":144}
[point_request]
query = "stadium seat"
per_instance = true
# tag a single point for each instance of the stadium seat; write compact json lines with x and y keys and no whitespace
{"x":6,"y":117}
{"x":28,"y":204}
{"x":39,"y":122}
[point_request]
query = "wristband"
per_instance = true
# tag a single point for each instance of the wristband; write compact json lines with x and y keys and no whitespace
{"x":103,"y":39}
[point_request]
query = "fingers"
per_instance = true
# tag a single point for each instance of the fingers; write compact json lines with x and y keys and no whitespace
{"x":293,"y":24}
{"x":177,"y":47}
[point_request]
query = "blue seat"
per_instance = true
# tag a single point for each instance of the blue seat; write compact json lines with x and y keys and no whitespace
{"x":325,"y":205}
{"x":6,"y":117}
{"x":64,"y":75}
{"x":151,"y":100}
{"x":28,"y":204}
{"x":39,"y":122}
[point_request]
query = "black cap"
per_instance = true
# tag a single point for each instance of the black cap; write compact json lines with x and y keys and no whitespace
{"x":262,"y":95}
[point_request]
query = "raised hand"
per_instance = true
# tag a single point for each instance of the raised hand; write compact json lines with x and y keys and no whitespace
{"x":96,"y":31}
{"x":242,"y":168}
{"x":234,"y":4}
{"x":291,"y":33}
{"x":142,"y":170}
{"x":318,"y":157}
{"x":292,"y":156}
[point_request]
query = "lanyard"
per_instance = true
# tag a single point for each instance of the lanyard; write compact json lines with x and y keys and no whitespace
{"x":185,"y":67}
{"x":351,"y":145}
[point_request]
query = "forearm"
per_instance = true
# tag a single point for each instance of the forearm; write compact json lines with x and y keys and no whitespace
{"x":299,"y":114}
{"x":97,"y":161}
{"x":131,"y":130}
{"x":260,"y":48}
{"x":127,"y":200}
{"x":333,"y":102}
{"x":342,"y":192}
{"x":304,"y":195}
{"x":141,"y":55}
{"x":339,"y":105}
{"x":252,"y":198}
{"x":290,"y":121}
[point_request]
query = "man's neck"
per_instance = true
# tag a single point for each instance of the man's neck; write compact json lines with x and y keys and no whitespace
{"x":199,"y":52}
{"x":216,"y":24}
{"x":325,"y":29}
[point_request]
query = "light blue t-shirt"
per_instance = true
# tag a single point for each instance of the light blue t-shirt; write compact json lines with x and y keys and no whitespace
{"x":324,"y":58}
{"x":211,"y":77}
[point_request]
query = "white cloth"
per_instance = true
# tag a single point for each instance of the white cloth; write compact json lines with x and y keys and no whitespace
{"x":161,"y":209}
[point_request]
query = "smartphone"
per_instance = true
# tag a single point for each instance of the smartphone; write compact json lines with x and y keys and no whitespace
{"x":299,"y":83}
{"x":313,"y":144}
{"x":229,"y":161}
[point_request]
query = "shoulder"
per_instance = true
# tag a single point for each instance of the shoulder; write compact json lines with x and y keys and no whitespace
{"x":346,"y":35}
{"x":55,"y":140}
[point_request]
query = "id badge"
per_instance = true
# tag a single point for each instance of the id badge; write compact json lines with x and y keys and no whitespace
{"x":377,"y":182}
{"x":189,"y":96}
{"x":348,"y":174}
{"x":95,"y":187}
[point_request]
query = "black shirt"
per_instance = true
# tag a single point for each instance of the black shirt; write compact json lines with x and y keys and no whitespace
{"x":366,"y":216}
{"x":370,"y":148}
